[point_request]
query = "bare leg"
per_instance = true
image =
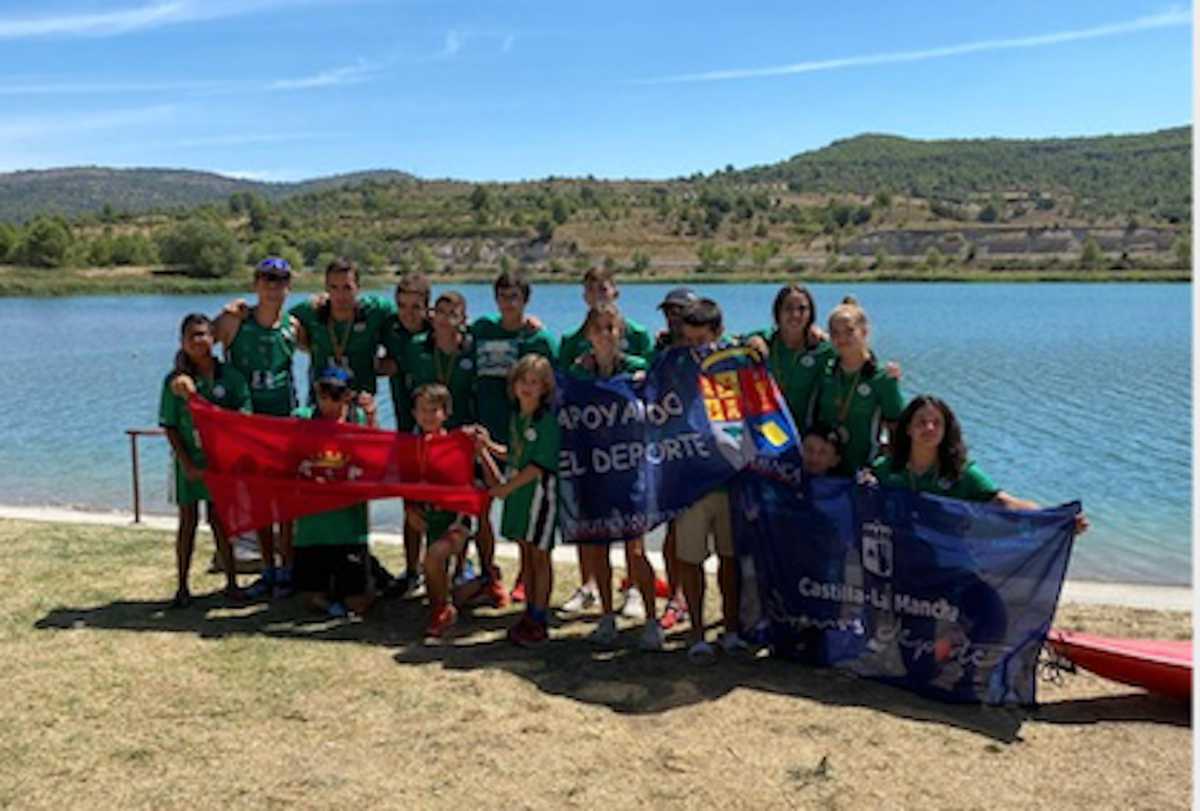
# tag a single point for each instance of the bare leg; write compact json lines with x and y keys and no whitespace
{"x":595,"y":557}
{"x":185,"y":542}
{"x":727,"y":577}
{"x":641,"y":573}
{"x":539,"y":574}
{"x":225,"y":551}
{"x":691,"y":576}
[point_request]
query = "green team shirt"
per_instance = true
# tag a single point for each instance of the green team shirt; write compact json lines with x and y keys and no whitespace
{"x":584,"y":366}
{"x":635,"y":341}
{"x":856,"y":405}
{"x":972,"y":484}
{"x":226,"y":389}
{"x":358,"y":339}
{"x":535,"y":441}
{"x":798,"y":373}
{"x":396,"y":340}
{"x":497,"y":351}
{"x":334,"y":527}
{"x":264,"y":357}
{"x":425,"y":363}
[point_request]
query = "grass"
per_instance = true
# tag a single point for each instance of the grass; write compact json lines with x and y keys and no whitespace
{"x":41,"y":282}
{"x":113,"y":701}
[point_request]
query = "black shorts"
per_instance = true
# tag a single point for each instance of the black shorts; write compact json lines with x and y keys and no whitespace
{"x":335,"y":570}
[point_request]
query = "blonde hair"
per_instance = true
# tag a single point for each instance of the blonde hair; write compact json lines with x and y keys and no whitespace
{"x":436,"y":393}
{"x":849,"y":310}
{"x":539,"y":368}
{"x":602,"y":309}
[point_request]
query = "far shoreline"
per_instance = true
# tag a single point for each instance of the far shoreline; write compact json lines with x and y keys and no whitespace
{"x":18,"y":282}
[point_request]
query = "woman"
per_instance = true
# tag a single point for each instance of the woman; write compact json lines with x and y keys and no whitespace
{"x":856,"y":395}
{"x":929,"y":456}
{"x":797,"y":350}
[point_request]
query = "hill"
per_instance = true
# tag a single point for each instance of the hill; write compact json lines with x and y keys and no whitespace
{"x":1113,"y":175}
{"x":74,"y":191}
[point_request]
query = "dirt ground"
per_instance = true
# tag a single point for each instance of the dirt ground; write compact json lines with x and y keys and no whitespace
{"x":114,"y":701}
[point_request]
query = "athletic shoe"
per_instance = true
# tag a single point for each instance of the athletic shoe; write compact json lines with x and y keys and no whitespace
{"x":661,"y":589}
{"x":583,"y":599}
{"x":634,"y":607}
{"x":496,"y":595}
{"x":337,"y":611}
{"x":517,"y":628}
{"x":283,"y":584}
{"x":674,"y":614}
{"x":441,"y":620}
{"x":732,"y":644}
{"x":182,"y":599}
{"x":517,"y":595}
{"x":528,"y":633}
{"x":652,"y":637}
{"x":605,"y":633}
{"x":702,"y":653}
{"x":260,"y":589}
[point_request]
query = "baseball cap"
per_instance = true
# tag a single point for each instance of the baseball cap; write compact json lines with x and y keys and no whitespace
{"x":679,"y":297}
{"x":274,"y":266}
{"x":334,"y":376}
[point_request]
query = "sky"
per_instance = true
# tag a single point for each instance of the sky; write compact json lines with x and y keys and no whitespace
{"x":488,"y":90}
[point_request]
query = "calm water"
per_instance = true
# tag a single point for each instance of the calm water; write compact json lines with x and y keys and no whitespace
{"x":1065,"y":392}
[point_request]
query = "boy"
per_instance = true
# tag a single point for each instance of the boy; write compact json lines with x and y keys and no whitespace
{"x":701,"y":325}
{"x":448,"y":532}
{"x":822,"y":450}
{"x":223,"y":385}
{"x":333,"y":562}
{"x":261,"y":347}
{"x":530,"y":491}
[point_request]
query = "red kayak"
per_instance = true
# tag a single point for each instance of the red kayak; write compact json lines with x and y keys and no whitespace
{"x":1159,"y":665}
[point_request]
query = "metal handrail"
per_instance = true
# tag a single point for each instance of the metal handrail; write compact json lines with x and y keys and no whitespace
{"x":134,"y":433}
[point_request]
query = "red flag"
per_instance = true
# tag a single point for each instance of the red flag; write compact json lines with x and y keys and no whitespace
{"x":264,"y":470}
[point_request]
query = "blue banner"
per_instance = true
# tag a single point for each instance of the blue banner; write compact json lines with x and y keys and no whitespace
{"x":948,"y":598}
{"x":635,"y":453}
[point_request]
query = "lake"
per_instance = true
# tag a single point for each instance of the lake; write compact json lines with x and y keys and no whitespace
{"x":1065,"y":391}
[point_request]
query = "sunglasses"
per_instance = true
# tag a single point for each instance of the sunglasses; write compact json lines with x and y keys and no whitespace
{"x":275,"y":263}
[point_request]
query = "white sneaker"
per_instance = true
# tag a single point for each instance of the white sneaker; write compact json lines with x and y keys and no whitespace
{"x":634,"y":607}
{"x":606,"y":632}
{"x":652,"y":636}
{"x":583,"y":599}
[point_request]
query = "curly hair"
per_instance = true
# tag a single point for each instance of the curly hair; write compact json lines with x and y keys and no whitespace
{"x":951,"y":452}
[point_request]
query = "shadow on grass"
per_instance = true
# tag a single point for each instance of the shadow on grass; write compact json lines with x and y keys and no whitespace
{"x":623,"y":679}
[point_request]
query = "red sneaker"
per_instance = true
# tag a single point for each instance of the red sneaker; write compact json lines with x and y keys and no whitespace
{"x":441,"y":620}
{"x":661,"y":590}
{"x":518,"y":628}
{"x":496,"y":596}
{"x":518,"y":593}
{"x":673,"y":614}
{"x":529,"y":634}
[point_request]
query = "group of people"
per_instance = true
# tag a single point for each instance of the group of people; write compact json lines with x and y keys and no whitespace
{"x":494,"y":379}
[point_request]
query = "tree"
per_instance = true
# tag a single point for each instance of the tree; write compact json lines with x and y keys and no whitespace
{"x":1183,"y":251}
{"x":46,"y":243}
{"x":202,"y":247}
{"x":709,"y":255}
{"x":260,"y":212}
{"x":133,"y":249}
{"x":545,"y":229}
{"x":761,"y":254}
{"x":989,"y":213}
{"x":1091,"y":257}
{"x":426,"y":261}
{"x":560,"y":211}
{"x":481,"y":199}
{"x":640,"y":262}
{"x":9,"y":241}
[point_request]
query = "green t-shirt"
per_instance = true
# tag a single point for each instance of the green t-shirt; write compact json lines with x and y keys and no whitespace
{"x":497,"y":351}
{"x":334,"y":527}
{"x":535,"y":440}
{"x":226,"y":389}
{"x":857,"y":405}
{"x":354,"y":343}
{"x":396,"y":340}
{"x":635,"y":341}
{"x":425,"y":363}
{"x":264,"y":357}
{"x":972,"y":484}
{"x":798,"y":373}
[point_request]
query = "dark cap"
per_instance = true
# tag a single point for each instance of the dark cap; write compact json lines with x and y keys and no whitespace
{"x":679,"y":297}
{"x":334,"y":376}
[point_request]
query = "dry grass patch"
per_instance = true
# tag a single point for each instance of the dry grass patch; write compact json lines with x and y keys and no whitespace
{"x":116,"y":702}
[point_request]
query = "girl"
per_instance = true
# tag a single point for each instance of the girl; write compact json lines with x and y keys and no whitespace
{"x":797,"y":350}
{"x":930,"y":456}
{"x":856,"y":396}
{"x":224,"y":386}
{"x":603,"y":330}
{"x":530,"y":491}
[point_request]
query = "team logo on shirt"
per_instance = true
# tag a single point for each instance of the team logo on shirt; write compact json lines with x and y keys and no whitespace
{"x":530,"y":435}
{"x":330,"y":465}
{"x":466,"y":364}
{"x":218,"y":390}
{"x":360,"y":327}
{"x":807,"y":360}
{"x":864,"y":389}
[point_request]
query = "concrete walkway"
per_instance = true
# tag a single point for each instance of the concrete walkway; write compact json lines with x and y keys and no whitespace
{"x":1130,"y":595}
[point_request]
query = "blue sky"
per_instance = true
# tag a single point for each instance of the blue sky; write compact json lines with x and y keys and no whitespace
{"x":289,"y":89}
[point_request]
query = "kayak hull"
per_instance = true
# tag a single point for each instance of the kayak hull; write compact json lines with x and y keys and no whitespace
{"x":1163,"y":667}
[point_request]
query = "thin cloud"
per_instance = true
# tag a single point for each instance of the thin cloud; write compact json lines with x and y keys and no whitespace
{"x":457,"y":39}
{"x":249,"y":139}
{"x":49,"y":127}
{"x":135,"y":18}
{"x":453,"y":44}
{"x":1168,"y":19}
{"x":357,"y":73}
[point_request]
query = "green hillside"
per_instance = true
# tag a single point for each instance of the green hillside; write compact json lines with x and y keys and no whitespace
{"x":1144,"y":174}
